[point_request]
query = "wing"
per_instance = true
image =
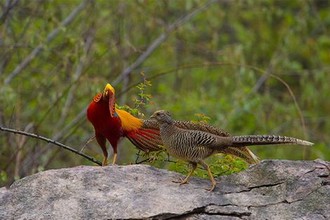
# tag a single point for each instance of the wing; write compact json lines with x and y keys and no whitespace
{"x":190,"y":133}
{"x":241,"y":152}
{"x":201,"y":127}
{"x":189,"y":125}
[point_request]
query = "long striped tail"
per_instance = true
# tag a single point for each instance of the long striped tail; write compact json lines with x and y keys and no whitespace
{"x":248,"y":140}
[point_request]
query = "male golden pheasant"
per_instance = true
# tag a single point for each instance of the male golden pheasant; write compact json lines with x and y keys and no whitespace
{"x":112,"y":124}
{"x":194,"y":146}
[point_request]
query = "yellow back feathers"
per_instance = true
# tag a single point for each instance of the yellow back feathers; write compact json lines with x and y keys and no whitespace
{"x":129,"y":122}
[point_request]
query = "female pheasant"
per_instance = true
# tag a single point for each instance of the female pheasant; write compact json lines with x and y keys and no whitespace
{"x":194,"y":146}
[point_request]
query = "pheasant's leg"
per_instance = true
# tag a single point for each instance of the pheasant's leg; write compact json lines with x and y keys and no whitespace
{"x":214,"y":183}
{"x":105,"y":161}
{"x":194,"y":166}
{"x":101,"y":140}
{"x":114,"y":160}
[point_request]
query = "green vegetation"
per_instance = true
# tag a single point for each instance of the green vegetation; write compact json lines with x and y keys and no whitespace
{"x":249,"y":67}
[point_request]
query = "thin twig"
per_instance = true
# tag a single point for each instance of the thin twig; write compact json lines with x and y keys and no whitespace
{"x":302,"y":120}
{"x":9,"y":5}
{"x":87,"y":142}
{"x":10,"y":130}
{"x":152,"y":159}
{"x":35,"y":52}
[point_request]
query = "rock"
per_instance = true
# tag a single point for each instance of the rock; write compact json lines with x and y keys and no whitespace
{"x":272,"y":189}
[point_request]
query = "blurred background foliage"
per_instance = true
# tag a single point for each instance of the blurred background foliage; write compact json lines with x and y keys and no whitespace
{"x":210,"y":60}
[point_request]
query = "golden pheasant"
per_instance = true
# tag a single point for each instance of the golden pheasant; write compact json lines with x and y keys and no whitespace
{"x":112,"y":124}
{"x":194,"y":146}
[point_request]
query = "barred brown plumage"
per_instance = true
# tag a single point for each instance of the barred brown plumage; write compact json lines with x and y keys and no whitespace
{"x":242,"y":152}
{"x":194,"y":146}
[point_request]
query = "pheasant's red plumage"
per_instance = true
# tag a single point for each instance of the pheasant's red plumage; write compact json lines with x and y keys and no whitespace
{"x":112,"y":124}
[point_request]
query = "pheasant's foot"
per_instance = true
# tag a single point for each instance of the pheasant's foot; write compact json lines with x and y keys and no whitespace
{"x":105,"y":162}
{"x":181,"y":181}
{"x":212,"y":188}
{"x":213,"y":185}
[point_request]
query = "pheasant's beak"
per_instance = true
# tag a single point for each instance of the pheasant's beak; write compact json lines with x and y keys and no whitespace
{"x":109,"y":93}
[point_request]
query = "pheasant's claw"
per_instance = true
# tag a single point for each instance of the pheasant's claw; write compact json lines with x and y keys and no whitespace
{"x":211,"y":189}
{"x":181,"y":181}
{"x":176,"y":181}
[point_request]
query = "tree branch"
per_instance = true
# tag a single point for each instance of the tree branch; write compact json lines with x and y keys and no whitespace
{"x":49,"y":38}
{"x":9,"y":5}
{"x":36,"y":136}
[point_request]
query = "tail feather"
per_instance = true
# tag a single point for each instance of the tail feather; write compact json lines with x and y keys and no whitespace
{"x":247,"y":140}
{"x":143,"y":144}
{"x":241,"y":152}
{"x":146,"y":139}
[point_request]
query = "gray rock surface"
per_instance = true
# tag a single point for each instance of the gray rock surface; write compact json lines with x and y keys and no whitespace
{"x":270,"y":190}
